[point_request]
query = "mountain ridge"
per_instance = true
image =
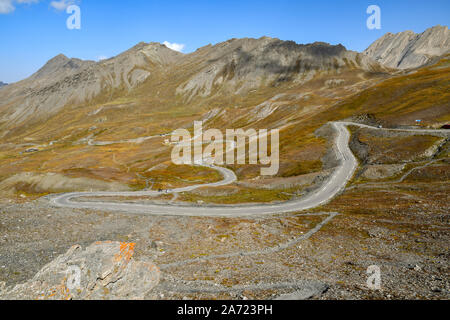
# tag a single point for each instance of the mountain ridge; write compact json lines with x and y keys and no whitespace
{"x":149,"y":91}
{"x":232,"y":67}
{"x":407,"y":49}
{"x":242,"y":65}
{"x":62,"y":81}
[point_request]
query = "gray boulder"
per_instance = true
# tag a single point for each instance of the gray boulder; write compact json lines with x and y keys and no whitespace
{"x":104,"y":270}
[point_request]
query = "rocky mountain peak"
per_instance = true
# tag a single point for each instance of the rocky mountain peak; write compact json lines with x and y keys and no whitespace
{"x":407,"y":49}
{"x":153,"y":51}
{"x":64,"y":80}
{"x":61,"y":64}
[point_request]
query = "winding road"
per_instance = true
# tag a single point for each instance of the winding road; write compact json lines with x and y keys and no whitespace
{"x":330,"y":188}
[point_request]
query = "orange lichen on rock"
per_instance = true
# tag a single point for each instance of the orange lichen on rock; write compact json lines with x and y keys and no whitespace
{"x":126,"y":251}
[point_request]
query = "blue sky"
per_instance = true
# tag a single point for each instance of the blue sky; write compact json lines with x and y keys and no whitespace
{"x":33,"y":31}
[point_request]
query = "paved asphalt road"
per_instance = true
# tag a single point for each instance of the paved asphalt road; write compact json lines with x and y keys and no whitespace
{"x":331,"y":187}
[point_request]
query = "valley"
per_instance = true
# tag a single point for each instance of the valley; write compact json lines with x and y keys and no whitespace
{"x":363,"y":175}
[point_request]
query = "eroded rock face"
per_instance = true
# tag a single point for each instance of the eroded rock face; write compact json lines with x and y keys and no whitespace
{"x":407,"y":49}
{"x":104,"y":270}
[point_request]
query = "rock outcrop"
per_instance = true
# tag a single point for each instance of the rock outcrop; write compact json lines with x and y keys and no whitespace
{"x":407,"y":49}
{"x":104,"y":270}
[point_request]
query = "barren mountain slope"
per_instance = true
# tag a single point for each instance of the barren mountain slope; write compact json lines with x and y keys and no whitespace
{"x":115,"y":137}
{"x":80,"y":125}
{"x":241,"y":83}
{"x":235,"y":66}
{"x":401,"y":100}
{"x":407,"y":49}
{"x":64,"y":81}
{"x":238,"y":66}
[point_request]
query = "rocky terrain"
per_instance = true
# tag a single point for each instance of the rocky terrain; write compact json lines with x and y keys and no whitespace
{"x":406,"y":235}
{"x":102,"y":270}
{"x":104,"y":126}
{"x":408,"y":50}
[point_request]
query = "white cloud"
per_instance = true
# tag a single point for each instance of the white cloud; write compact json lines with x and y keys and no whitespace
{"x":61,"y":5}
{"x":7,"y":6}
{"x":100,"y":58}
{"x":174,"y":46}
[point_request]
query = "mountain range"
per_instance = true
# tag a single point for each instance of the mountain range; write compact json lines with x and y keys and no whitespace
{"x":106,"y":120}
{"x":360,"y":162}
{"x":234,"y":67}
